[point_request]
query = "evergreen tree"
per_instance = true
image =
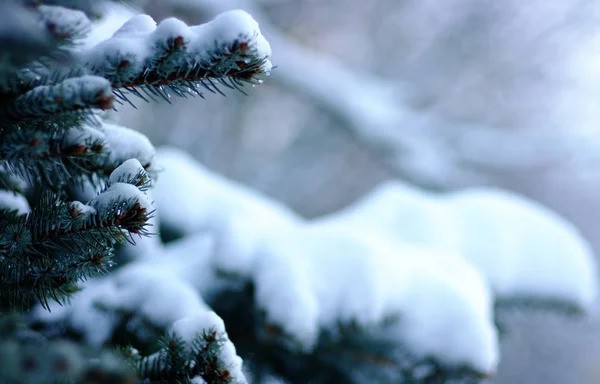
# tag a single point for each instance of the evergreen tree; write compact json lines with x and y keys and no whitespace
{"x":73,"y":186}
{"x":400,"y":287}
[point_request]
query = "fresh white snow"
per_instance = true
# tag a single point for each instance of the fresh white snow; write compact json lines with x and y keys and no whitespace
{"x":137,"y":26}
{"x":129,"y":170}
{"x":426,"y":265}
{"x":524,"y":249}
{"x":191,"y":198}
{"x":119,"y":192}
{"x":313,"y":278}
{"x":14,"y":201}
{"x":82,"y":135}
{"x":125,"y":143}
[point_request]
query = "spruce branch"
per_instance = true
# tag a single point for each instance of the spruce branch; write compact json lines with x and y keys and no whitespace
{"x":46,"y":252}
{"x":176,"y":362}
{"x":52,"y":155}
{"x":71,"y":95}
{"x":153,"y":62}
{"x":46,"y":151}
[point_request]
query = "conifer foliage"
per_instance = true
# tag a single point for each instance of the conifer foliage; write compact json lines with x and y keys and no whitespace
{"x":72,"y":185}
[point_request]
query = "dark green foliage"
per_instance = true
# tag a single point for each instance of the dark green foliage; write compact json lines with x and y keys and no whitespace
{"x":46,"y":252}
{"x":28,"y":357}
{"x":177,"y":362}
{"x":54,"y":149}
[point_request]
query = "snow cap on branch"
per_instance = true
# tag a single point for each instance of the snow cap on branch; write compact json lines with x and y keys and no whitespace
{"x":525,"y":251}
{"x":82,"y":136}
{"x":124,"y":143}
{"x":434,"y":303}
{"x":119,"y":192}
{"x":130,"y":172}
{"x":78,"y":209}
{"x":189,"y":328}
{"x":14,"y":201}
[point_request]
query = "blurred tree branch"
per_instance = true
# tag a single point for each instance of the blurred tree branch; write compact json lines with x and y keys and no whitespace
{"x":414,"y":143}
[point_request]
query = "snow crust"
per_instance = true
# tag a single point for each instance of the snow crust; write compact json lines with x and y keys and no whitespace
{"x":14,"y":201}
{"x":522,"y":248}
{"x":82,"y":136}
{"x":77,"y":91}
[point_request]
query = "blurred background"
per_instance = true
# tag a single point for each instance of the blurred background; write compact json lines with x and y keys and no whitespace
{"x":443,"y":93}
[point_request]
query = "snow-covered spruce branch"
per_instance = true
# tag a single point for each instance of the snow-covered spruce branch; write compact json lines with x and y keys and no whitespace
{"x":55,"y":155}
{"x":55,"y":146}
{"x":172,"y":56}
{"x":37,"y":35}
{"x":71,"y":95}
{"x":136,"y":304}
{"x":59,"y":243}
{"x":364,"y":303}
{"x":178,"y":360}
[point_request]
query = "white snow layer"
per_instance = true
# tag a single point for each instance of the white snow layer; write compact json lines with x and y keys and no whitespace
{"x":14,"y":201}
{"x":310,"y":277}
{"x":313,"y":278}
{"x":190,"y":198}
{"x":416,"y":261}
{"x":125,"y":143}
{"x":82,"y":136}
{"x":77,"y":91}
{"x":119,"y":192}
{"x":127,"y":171}
{"x":522,"y":248}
